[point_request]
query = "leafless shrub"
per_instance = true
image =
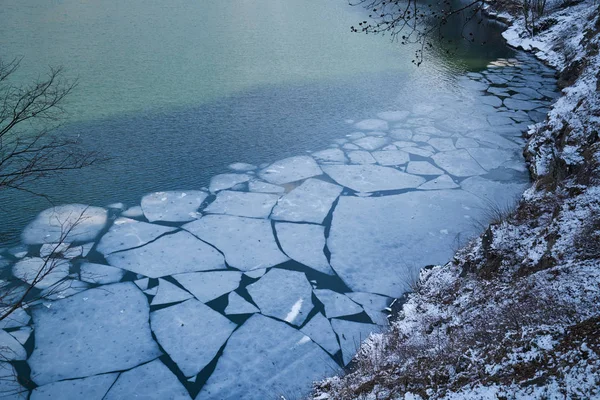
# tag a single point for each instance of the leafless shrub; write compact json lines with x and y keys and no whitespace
{"x":29,"y":114}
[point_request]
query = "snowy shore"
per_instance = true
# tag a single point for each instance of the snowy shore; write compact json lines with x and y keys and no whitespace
{"x":515,"y":314}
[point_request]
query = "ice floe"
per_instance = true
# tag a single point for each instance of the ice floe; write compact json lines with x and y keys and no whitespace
{"x":42,"y":273}
{"x":264,"y":187}
{"x":173,"y":206}
{"x":128,"y":233}
{"x":491,"y":158}
{"x":207,"y":286}
{"x":290,"y":170}
{"x":320,"y":331}
{"x":372,"y":125}
{"x":361,"y":157}
{"x":458,"y":163}
{"x":414,"y":228}
{"x":309,"y":202}
{"x":371,"y":178}
{"x":391,"y":157}
{"x":371,"y":142}
{"x":242,"y":167}
{"x":336,"y":304}
{"x":169,"y":293}
{"x":330,"y":156}
{"x":227,"y":181}
{"x":151,"y":381}
{"x":247,"y":243}
{"x":171,"y":254}
{"x":243,"y":204}
{"x":11,"y":348}
{"x":422,"y":168}
{"x":265,"y":358}
{"x":351,"y":334}
{"x":237,"y":305}
{"x":93,"y":332}
{"x":99,"y":273}
{"x":304,"y":243}
{"x":133,"y":212}
{"x":393,"y":116}
{"x":67,"y":223}
{"x":22,"y":334}
{"x":90,"y":388}
{"x":191,"y":333}
{"x":283,"y":294}
{"x":441,"y":182}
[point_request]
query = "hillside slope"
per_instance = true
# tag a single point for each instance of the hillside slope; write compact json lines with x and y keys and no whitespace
{"x":515,"y":314}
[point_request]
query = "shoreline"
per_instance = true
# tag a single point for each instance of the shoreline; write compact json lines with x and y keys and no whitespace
{"x":513,"y":251}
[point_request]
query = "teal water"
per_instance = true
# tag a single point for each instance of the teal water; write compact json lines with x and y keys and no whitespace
{"x":174,"y":92}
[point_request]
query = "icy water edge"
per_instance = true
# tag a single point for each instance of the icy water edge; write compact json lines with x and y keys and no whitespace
{"x":269,"y":278}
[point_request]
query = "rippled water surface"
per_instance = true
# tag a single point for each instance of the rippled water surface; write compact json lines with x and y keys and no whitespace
{"x":175,"y":92}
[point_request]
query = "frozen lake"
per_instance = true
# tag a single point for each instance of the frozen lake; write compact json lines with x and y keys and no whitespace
{"x":266,"y":207}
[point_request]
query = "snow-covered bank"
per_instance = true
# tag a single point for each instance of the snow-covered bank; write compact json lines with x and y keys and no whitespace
{"x":516,"y":314}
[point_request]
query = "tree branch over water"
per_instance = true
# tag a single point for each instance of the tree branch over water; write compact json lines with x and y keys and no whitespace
{"x":29,"y":117}
{"x":419,"y":22}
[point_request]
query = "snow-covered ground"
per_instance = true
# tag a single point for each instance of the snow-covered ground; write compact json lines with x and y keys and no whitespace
{"x":516,"y":313}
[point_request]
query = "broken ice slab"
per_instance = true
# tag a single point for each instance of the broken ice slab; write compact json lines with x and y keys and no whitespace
{"x":93,"y":332}
{"x":283,"y":294}
{"x":330,"y":156}
{"x":99,"y":273}
{"x":22,"y":334}
{"x":169,"y":293}
{"x":320,"y":331}
{"x":491,"y":158}
{"x":67,"y":223}
{"x":227,"y":181}
{"x":263,"y":347}
{"x":351,"y":335}
{"x":9,"y":383}
{"x":42,"y":273}
{"x":151,"y":381}
{"x":337,"y":304}
{"x":243,"y":204}
{"x":422,"y":168}
{"x":127,"y":233}
{"x":242,"y":167}
{"x":391,"y":157}
{"x":11,"y":348}
{"x":361,"y":157}
{"x":372,"y":125}
{"x":247,"y":243}
{"x":309,"y":202}
{"x":290,"y":170}
{"x":191,"y":333}
{"x":496,"y":195}
{"x":371,"y":142}
{"x":175,"y":206}
{"x":430,"y":221}
{"x":264,"y":187}
{"x":393,"y":116}
{"x":371,"y":178}
{"x":458,"y":163}
{"x":133,"y":212}
{"x":237,"y":305}
{"x":441,"y":182}
{"x":370,"y":300}
{"x":92,"y":388}
{"x":304,"y":243}
{"x":442,"y":144}
{"x":171,"y":254}
{"x":207,"y":286}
